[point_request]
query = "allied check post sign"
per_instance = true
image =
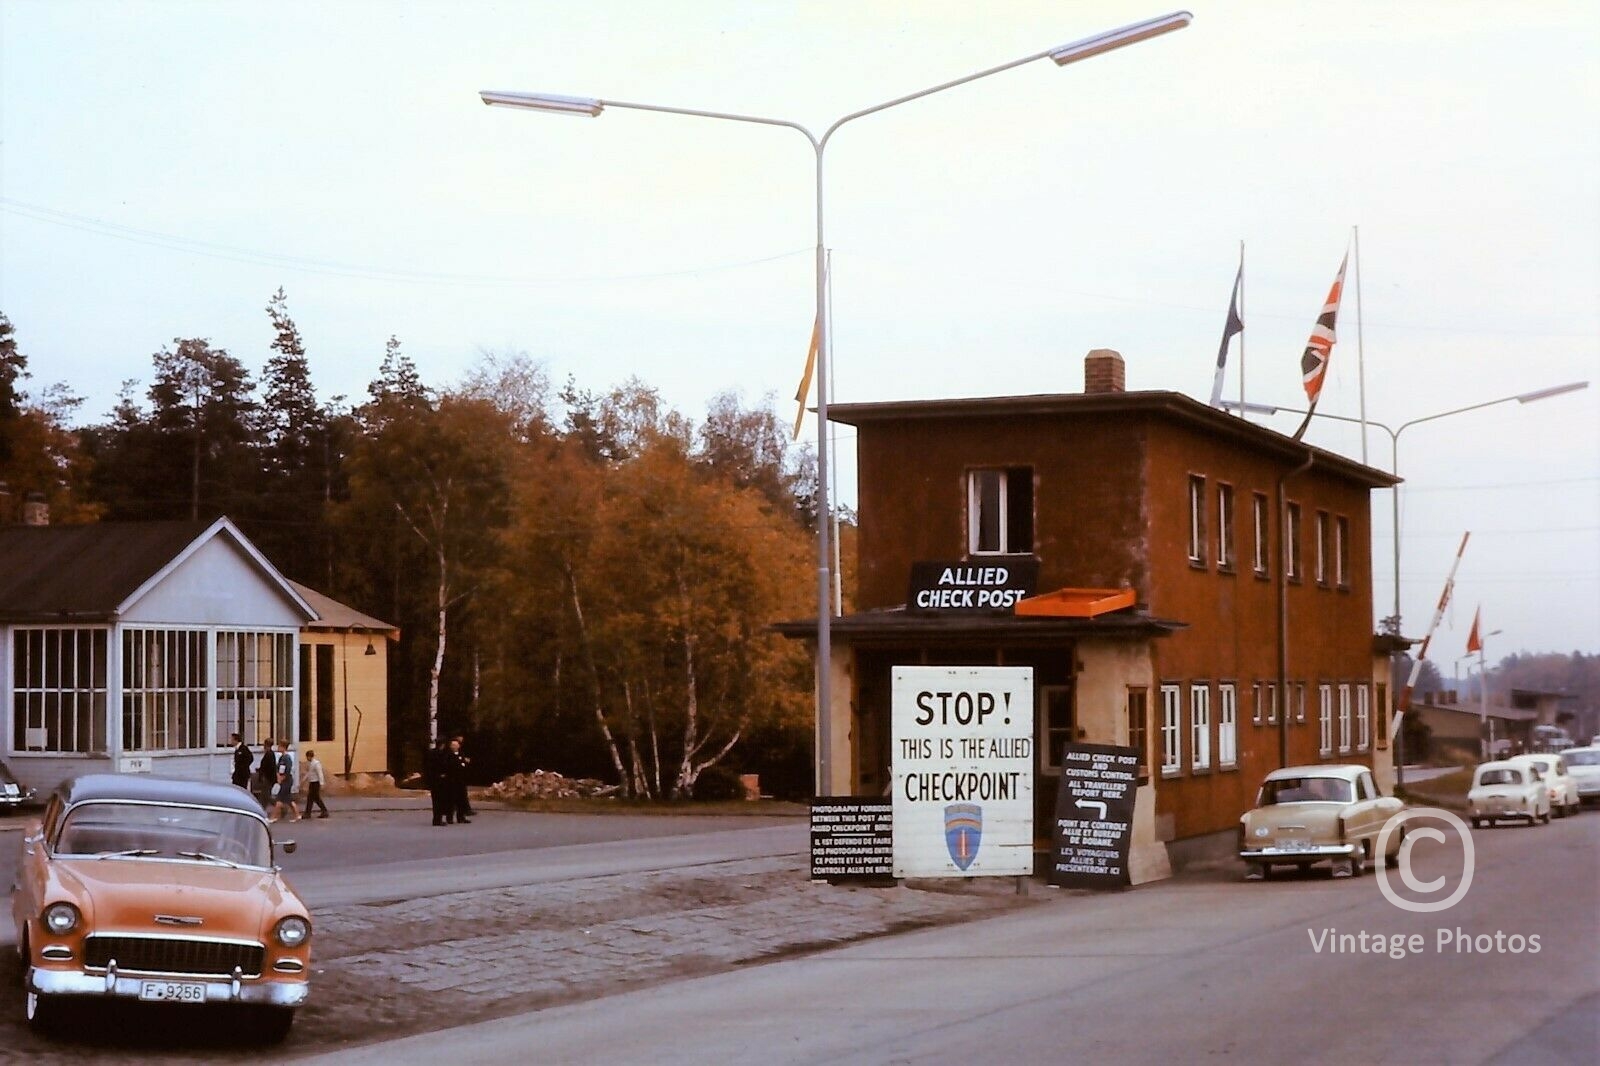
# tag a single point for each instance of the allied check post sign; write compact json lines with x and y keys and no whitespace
{"x":963,"y":771}
{"x":1093,"y":831}
{"x":967,"y":588}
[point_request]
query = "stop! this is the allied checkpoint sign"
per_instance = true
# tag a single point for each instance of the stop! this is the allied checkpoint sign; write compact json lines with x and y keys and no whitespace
{"x":962,"y":771}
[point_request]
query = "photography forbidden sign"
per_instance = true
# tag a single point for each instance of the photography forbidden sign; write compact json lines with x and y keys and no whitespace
{"x":852,"y":838}
{"x":1093,"y":828}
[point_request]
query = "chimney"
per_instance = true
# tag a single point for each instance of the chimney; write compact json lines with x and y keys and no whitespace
{"x":35,"y":511}
{"x":1103,"y":371}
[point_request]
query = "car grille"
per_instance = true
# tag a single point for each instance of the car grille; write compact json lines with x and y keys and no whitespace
{"x":173,"y":955}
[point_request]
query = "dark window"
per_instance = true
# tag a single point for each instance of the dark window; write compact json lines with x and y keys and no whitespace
{"x":1000,"y":511}
{"x":325,"y":691}
{"x":1139,"y":729}
{"x":304,"y":732}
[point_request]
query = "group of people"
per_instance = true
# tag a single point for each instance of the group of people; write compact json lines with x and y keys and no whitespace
{"x":272,"y":781}
{"x":446,"y":777}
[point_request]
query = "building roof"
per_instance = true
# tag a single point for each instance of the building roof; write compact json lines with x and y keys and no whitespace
{"x":1172,"y":406}
{"x":333,"y":615}
{"x":91,"y":573}
{"x":896,"y":624}
{"x":1497,"y":711}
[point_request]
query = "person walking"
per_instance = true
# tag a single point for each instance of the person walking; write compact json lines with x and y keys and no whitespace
{"x":266,"y":775}
{"x":284,"y":794}
{"x":315,"y":778}
{"x":243,"y":761}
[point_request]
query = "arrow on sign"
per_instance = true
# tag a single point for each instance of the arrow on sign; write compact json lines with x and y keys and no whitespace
{"x":1090,"y":804}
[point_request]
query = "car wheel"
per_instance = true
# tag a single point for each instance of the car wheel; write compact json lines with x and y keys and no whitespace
{"x":1344,"y":868}
{"x":273,"y":1024}
{"x":1391,"y":861}
{"x":1477,"y":823}
{"x":43,"y":1012}
{"x":1547,"y":816}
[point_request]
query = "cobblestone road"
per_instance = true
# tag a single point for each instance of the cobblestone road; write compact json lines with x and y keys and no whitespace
{"x":387,"y":970}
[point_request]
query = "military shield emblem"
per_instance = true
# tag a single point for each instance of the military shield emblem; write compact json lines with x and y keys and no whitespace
{"x":963,"y":830}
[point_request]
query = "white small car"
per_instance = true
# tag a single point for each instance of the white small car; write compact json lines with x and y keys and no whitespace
{"x":1553,"y":770}
{"x":1583,"y":765}
{"x":1504,"y":790}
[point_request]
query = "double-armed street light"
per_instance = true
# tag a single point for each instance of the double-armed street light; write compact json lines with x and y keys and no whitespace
{"x":1394,"y":449}
{"x":593,"y":106}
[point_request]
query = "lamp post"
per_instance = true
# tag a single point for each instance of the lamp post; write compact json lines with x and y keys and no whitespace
{"x":592,"y":106}
{"x":1394,"y":492}
{"x":1394,"y":449}
{"x":1485,"y":733}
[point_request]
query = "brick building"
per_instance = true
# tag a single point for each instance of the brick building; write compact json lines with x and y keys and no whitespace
{"x":1145,"y":527}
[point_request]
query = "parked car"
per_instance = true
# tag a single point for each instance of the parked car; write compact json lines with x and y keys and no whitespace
{"x":1553,"y":770}
{"x":1310,"y":814}
{"x":1506,"y":789}
{"x":1583,"y":764}
{"x":13,"y":793}
{"x":156,"y":889}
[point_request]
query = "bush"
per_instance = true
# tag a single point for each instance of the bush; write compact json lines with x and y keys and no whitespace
{"x":718,"y":782}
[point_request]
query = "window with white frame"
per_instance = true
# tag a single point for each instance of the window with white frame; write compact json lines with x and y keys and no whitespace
{"x":1341,"y":551}
{"x":1200,"y":726}
{"x":1197,"y":519}
{"x":1363,"y":718}
{"x":1344,"y":718}
{"x":1227,"y":724}
{"x":255,"y":685}
{"x":1263,"y":522}
{"x":1321,"y":558}
{"x":1291,"y":541}
{"x":1000,"y":511}
{"x":1225,"y":526}
{"x":1171,"y":730}
{"x":165,"y":685}
{"x":58,"y":690}
{"x":1299,"y":702}
{"x":1325,"y":718}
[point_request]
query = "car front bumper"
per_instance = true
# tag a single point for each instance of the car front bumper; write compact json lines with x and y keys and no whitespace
{"x":120,"y":986}
{"x":1316,"y":853}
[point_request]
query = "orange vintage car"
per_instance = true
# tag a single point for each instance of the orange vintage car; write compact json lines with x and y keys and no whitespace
{"x":158,"y":889}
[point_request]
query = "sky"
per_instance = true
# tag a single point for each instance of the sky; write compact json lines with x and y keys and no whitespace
{"x":165,"y":167}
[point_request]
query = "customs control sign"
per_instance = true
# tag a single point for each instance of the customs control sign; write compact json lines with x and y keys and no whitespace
{"x":1093,"y":830}
{"x":962,"y":771}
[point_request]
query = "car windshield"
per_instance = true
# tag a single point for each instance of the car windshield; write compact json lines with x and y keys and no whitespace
{"x":1500,"y":777}
{"x":112,"y":828}
{"x":1583,"y":758}
{"x":1307,"y":790}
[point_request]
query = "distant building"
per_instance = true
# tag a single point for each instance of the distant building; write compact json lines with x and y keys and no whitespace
{"x":1146,"y":527}
{"x":140,"y":646}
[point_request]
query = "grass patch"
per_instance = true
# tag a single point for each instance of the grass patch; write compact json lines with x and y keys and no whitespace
{"x":1448,"y":790}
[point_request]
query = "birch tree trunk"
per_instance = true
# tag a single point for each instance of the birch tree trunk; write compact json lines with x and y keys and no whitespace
{"x":594,"y":678}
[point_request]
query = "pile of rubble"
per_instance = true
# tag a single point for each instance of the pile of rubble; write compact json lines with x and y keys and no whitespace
{"x":547,"y":784}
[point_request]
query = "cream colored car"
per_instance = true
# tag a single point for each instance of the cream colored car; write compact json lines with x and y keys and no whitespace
{"x":1552,"y":769}
{"x":1310,"y":814}
{"x":1507,"y":790}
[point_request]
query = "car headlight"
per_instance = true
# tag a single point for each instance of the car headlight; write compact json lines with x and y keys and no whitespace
{"x":292,"y":931}
{"x":61,"y":918}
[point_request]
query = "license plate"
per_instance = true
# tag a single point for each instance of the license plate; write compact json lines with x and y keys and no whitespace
{"x":172,"y":991}
{"x":1294,"y":845}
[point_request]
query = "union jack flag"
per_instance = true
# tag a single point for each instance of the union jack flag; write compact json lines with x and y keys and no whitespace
{"x":1314,"y":363}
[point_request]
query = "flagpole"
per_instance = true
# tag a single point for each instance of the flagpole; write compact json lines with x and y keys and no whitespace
{"x":1241,"y":331}
{"x":1361,"y":361}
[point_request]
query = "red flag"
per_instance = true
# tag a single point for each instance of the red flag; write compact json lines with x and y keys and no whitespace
{"x":1314,"y":362}
{"x":1474,"y":642}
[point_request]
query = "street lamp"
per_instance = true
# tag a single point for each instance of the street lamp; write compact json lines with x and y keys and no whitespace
{"x":591,"y":107}
{"x":1394,"y":448}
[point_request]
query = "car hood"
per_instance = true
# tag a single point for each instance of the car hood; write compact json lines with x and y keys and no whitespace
{"x":126,"y":895}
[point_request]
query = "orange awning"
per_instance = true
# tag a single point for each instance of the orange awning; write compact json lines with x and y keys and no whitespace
{"x":1074,"y":603}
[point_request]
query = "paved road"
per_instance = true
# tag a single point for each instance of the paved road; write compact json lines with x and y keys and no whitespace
{"x":1180,"y":971}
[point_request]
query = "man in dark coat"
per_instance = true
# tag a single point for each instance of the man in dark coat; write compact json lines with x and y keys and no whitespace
{"x":436,"y":773}
{"x":242,"y":761}
{"x":267,"y":774}
{"x":456,"y":773}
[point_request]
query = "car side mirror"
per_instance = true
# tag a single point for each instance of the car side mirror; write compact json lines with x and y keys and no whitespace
{"x":288,"y":846}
